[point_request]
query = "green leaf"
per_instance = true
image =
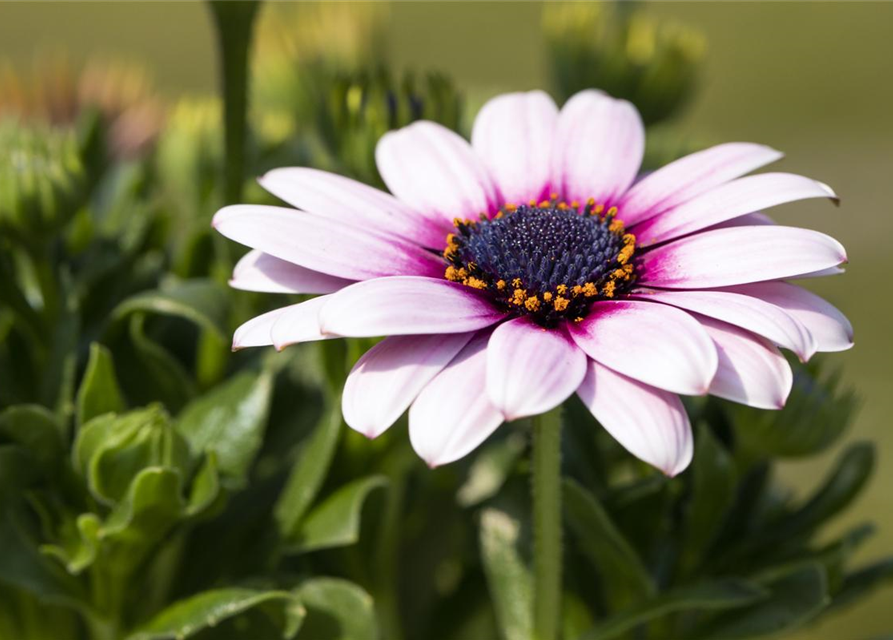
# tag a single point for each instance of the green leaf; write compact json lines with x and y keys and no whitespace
{"x":205,"y":486}
{"x":99,"y":392}
{"x":79,"y":553}
{"x":795,"y":598}
{"x":230,"y":421}
{"x":187,"y":617}
{"x":713,"y":491}
{"x":508,"y":578}
{"x":622,"y":572}
{"x":724,"y":593}
{"x":201,"y":301}
{"x":862,"y":582}
{"x":111,"y":450}
{"x":490,"y":469}
{"x":335,"y":522}
{"x":337,"y":610}
{"x":309,"y":471}
{"x":36,"y":431}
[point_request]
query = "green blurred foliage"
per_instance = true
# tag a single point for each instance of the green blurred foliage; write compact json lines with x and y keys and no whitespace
{"x":153,"y":484}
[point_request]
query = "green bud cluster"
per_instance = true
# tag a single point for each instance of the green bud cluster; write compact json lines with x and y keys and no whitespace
{"x":42,"y":178}
{"x":623,"y":51}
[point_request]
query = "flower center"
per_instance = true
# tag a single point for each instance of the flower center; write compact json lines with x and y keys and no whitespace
{"x":549,"y":260}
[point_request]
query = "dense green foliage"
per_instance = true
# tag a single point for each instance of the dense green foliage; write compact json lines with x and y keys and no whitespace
{"x":154,"y":485}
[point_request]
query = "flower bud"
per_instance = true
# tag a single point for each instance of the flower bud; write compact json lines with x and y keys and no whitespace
{"x":624,"y":52}
{"x":112,"y":449}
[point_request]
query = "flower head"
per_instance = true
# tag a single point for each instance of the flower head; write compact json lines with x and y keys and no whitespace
{"x":512,"y":272}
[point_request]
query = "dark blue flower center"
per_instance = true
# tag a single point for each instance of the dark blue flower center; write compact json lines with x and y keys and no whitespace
{"x":549,"y":261}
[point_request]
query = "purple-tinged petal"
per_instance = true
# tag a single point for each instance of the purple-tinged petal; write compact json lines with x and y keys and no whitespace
{"x":751,"y":370}
{"x":531,"y":370}
{"x":726,"y":257}
{"x":649,"y":423}
{"x":689,"y":176}
{"x":388,"y":377}
{"x":257,"y":332}
{"x":344,"y":200}
{"x":257,"y":271}
{"x":435,"y":171}
{"x":324,"y":245}
{"x":651,"y":342}
{"x":747,"y":312}
{"x":749,"y":220}
{"x":729,"y":201}
{"x":452,"y":415}
{"x":599,"y":143}
{"x":513,"y":133}
{"x":406,"y":305}
{"x":299,"y":323}
{"x":830,"y":328}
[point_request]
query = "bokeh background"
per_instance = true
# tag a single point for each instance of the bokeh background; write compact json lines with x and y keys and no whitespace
{"x":812,"y":79}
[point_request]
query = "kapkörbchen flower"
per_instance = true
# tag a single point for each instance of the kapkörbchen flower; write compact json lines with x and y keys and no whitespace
{"x":511,"y":272}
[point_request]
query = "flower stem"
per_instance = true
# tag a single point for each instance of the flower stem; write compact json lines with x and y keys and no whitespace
{"x":234,"y":21}
{"x":547,"y":525}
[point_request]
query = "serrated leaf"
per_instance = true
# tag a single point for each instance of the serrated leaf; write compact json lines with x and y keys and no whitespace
{"x":336,"y":521}
{"x":337,"y":610}
{"x":230,"y":421}
{"x":201,"y":301}
{"x":187,"y":617}
{"x":724,"y":593}
{"x":620,"y":568}
{"x":508,"y":578}
{"x":795,"y":598}
{"x":99,"y":392}
{"x":309,"y":471}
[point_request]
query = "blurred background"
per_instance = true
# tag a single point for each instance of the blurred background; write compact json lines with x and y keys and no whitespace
{"x":814,"y":80}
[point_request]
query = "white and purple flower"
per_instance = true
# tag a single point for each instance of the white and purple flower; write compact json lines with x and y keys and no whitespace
{"x":511,"y":272}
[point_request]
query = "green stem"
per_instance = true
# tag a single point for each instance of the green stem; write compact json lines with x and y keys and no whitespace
{"x":234,"y":21}
{"x":547,"y":525}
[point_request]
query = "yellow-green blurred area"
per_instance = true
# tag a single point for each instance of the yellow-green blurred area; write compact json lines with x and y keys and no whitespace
{"x":814,"y":80}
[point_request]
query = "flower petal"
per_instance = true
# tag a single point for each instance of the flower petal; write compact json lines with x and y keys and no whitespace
{"x":653,"y":343}
{"x":726,"y":257}
{"x":689,"y":176}
{"x":830,"y":328}
{"x":322,"y":244}
{"x":747,"y":312}
{"x":388,"y":377}
{"x":751,"y":370}
{"x":513,"y":133}
{"x":729,"y":201}
{"x":649,"y":423}
{"x":299,"y":323}
{"x":257,"y":271}
{"x":432,"y":169}
{"x":452,"y":415}
{"x":344,"y":200}
{"x":406,"y":305}
{"x":599,"y":144}
{"x":531,"y":370}
{"x":257,"y":332}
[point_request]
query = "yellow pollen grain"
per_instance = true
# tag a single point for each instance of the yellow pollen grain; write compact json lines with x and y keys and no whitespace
{"x":475,"y":283}
{"x":451,"y":274}
{"x":599,"y":209}
{"x":500,"y":284}
{"x":578,"y":319}
{"x":553,"y":195}
{"x":608,"y":289}
{"x":518,"y":296}
{"x":532,"y":303}
{"x":575,"y":204}
{"x":589,"y":289}
{"x":532,"y":203}
{"x":590,"y":202}
{"x":561,"y":289}
{"x":616,"y":226}
{"x":516,"y":282}
{"x":510,"y":207}
{"x":560,"y":303}
{"x":545,"y":204}
{"x":577,"y":290}
{"x":562,"y":206}
{"x":547,"y":296}
{"x":612,"y":211}
{"x":500,"y":215}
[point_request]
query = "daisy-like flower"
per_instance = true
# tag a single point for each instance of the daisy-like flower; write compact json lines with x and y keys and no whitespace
{"x":512,"y":272}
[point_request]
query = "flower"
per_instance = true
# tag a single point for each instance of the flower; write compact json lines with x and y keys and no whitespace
{"x":511,"y":272}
